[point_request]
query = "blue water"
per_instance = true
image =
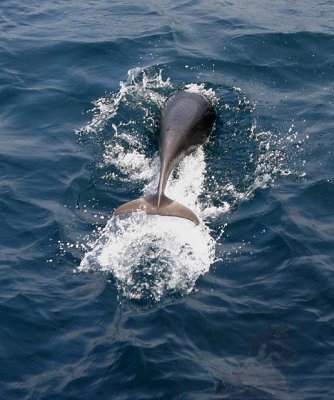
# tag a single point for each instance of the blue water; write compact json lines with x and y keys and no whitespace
{"x":93,"y":307}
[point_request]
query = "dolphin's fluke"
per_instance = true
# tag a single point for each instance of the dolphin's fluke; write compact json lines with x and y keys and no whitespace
{"x":167,"y":207}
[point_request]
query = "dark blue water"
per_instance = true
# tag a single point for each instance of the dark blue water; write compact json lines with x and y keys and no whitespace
{"x":92,"y":307}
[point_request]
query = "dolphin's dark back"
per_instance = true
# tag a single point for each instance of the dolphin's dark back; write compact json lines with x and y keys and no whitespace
{"x":186,"y":122}
{"x":190,"y":116}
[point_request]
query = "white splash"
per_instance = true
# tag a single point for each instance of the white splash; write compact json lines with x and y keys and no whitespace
{"x":151,"y":256}
{"x":139,"y":83}
{"x":202,"y":90}
{"x":134,"y":165}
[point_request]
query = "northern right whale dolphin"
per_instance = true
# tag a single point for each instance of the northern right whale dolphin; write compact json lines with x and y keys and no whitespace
{"x":186,"y":122}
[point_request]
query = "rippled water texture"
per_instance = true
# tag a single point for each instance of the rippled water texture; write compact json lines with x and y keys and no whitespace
{"x":148,"y":307}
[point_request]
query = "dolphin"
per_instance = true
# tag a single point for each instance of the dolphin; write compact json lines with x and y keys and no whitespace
{"x":186,"y":122}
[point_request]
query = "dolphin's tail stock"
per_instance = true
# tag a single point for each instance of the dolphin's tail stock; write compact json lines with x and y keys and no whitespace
{"x":166,"y":207}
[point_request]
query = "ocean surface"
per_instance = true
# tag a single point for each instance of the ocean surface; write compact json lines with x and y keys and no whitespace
{"x":240,"y":307}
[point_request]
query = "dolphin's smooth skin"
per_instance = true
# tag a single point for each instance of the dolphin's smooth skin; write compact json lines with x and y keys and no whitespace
{"x":186,"y":123}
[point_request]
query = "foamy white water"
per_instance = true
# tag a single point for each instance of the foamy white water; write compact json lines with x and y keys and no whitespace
{"x":149,"y":256}
{"x":139,"y":85}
